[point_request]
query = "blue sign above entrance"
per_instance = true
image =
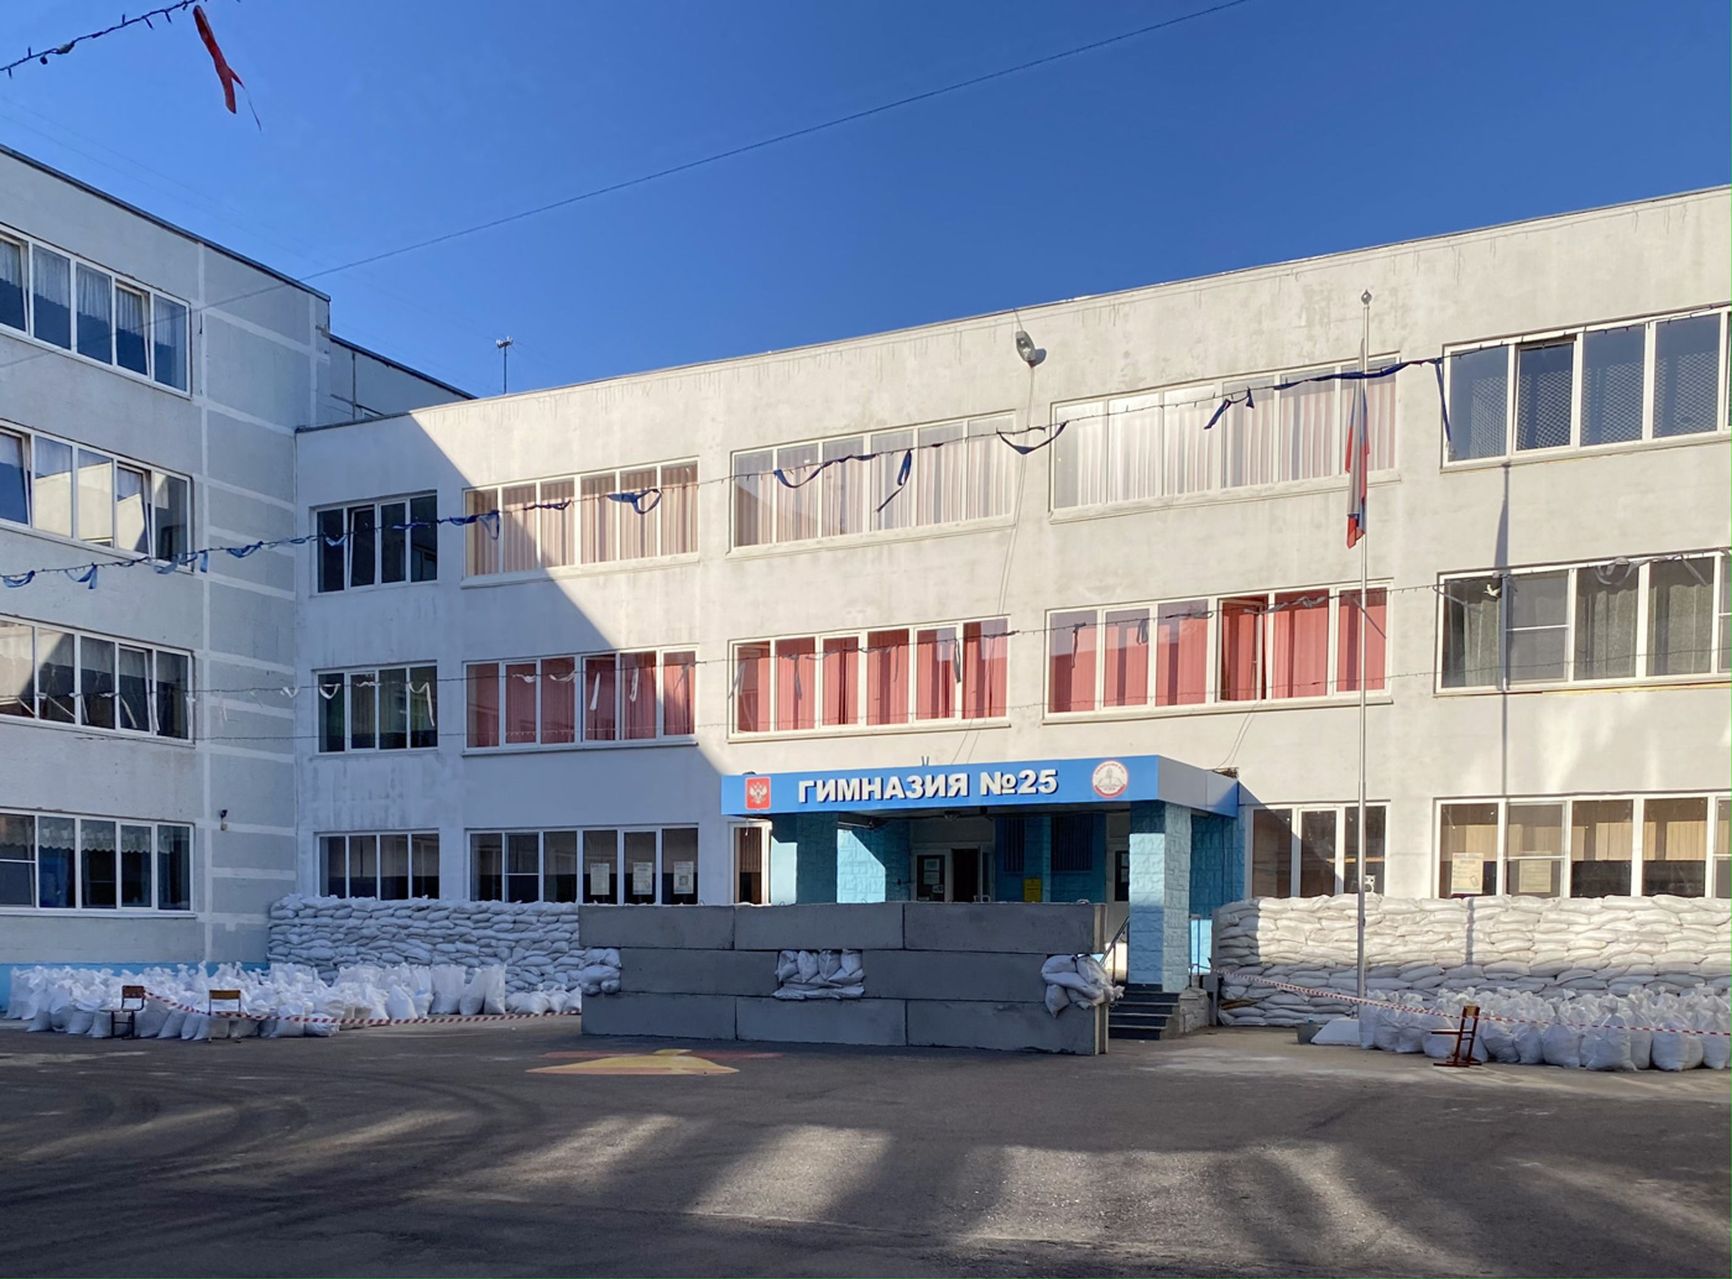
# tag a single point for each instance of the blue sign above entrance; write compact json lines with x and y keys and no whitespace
{"x":1120,"y":779}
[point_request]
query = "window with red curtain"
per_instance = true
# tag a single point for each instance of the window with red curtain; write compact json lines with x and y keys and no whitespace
{"x":752,"y":688}
{"x":637,"y":696}
{"x":679,"y":706}
{"x":984,"y":653}
{"x":1127,"y":658}
{"x":1071,"y":645}
{"x":1299,"y":645}
{"x":1181,"y":653}
{"x":841,"y":681}
{"x":600,"y":699}
{"x":558,"y":701}
{"x":1242,"y":648}
{"x":520,"y":688}
{"x":484,"y":704}
{"x":887,"y":677}
{"x":935,"y":673}
{"x":1376,"y":640}
{"x":796,"y":684}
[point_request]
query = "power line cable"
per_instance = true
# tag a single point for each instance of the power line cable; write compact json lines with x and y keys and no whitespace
{"x":700,"y":162}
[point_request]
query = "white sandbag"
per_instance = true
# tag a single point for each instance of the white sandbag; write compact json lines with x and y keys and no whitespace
{"x":493,"y":989}
{"x":241,"y":1027}
{"x":1057,"y":1000}
{"x":1676,"y":1050}
{"x":807,"y":964}
{"x":1499,"y":1041}
{"x":149,"y":1019}
{"x":423,"y":1001}
{"x":1366,"y":1024}
{"x":172,"y":1024}
{"x":1343,"y":1032}
{"x":447,"y":988}
{"x":1411,"y":1036}
{"x":78,"y":1021}
{"x":518,"y":1003}
{"x":1561,"y":1044}
{"x":43,"y":1019}
{"x":1387,"y":1033}
{"x":1529,"y":1045}
{"x":196,"y":1026}
{"x":101,"y":1024}
{"x":1606,"y":1047}
{"x":400,"y":1005}
{"x":1716,"y":1051}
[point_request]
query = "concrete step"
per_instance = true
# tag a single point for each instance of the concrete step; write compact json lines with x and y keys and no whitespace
{"x":1138,"y":1016}
{"x":1138,"y":1032}
{"x":1147,"y":1001}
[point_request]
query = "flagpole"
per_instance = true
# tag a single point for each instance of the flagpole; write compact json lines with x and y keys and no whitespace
{"x":1359,"y":851}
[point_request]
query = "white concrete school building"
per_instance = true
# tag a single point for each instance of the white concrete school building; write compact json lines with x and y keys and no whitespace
{"x":689,"y":661}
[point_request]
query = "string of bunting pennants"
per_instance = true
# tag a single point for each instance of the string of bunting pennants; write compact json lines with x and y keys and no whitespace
{"x":645,"y":500}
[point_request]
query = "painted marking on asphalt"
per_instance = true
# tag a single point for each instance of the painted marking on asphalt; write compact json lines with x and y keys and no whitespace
{"x":665,"y":1061}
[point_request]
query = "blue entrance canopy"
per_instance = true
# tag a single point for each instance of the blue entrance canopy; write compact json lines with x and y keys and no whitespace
{"x":1118,"y":779}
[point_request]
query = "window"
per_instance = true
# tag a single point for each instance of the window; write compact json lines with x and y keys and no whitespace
{"x":110,"y":502}
{"x":960,"y":471}
{"x":606,"y":517}
{"x":13,"y":276}
{"x":1581,"y":624}
{"x":1589,"y":846}
{"x":1722,"y":848}
{"x":1533,"y":382}
{"x":80,"y":307}
{"x":659,"y":865}
{"x":613,"y":697}
{"x":378,"y":543}
{"x":946,"y":673}
{"x":50,"y":861}
{"x":1157,"y":444}
{"x":1266,"y":647}
{"x":63,"y":677}
{"x":391,"y":708}
{"x":1312,"y":850}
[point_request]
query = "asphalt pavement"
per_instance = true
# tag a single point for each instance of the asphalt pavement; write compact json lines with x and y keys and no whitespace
{"x":455,"y":1150}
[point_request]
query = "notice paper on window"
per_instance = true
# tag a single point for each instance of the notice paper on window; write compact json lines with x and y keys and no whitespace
{"x":1467,"y":874}
{"x":643,"y":879}
{"x":600,"y":873}
{"x":685,"y":877}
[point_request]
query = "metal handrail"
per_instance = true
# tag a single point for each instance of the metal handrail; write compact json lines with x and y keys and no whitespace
{"x":1123,"y":933}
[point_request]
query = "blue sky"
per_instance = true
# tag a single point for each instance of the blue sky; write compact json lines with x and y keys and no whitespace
{"x":1270,"y":131}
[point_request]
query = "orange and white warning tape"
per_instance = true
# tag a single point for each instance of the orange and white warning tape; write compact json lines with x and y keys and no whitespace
{"x":1343,"y":998}
{"x":352,"y":1021}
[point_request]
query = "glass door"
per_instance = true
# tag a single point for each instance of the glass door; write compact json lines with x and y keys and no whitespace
{"x":932,"y":877}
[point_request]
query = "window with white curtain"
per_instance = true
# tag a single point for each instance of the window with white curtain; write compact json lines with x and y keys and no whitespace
{"x":106,"y":501}
{"x":604,"y":517}
{"x":1610,"y":620}
{"x":1627,"y":845}
{"x":957,"y":471}
{"x":83,"y":308}
{"x":1584,"y":388}
{"x":52,"y":861}
{"x":1158,"y":444}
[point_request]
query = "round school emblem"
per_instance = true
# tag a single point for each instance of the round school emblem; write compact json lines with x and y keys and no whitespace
{"x":1110,"y":779}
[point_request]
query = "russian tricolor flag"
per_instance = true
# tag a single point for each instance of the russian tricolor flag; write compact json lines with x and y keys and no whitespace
{"x":1358,"y":463}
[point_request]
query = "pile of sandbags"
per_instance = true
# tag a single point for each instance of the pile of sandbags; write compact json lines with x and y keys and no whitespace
{"x":820,"y":974}
{"x":1639,"y":1031}
{"x":1078,"y":980}
{"x":282,"y":1001}
{"x":536,"y":941}
{"x":1532,"y":945}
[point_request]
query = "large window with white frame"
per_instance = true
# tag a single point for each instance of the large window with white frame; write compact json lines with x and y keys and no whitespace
{"x":581,"y":699}
{"x":87,"y":310}
{"x":1608,"y":622}
{"x":1252,"y":647}
{"x":1312,"y":850}
{"x":959,"y":471}
{"x":389,"y":865}
{"x":56,"y":861}
{"x":1623,"y":382}
{"x":1158,"y":444}
{"x":642,"y":866}
{"x":603,"y":517}
{"x":65,"y":489}
{"x":49,"y":675}
{"x":890,"y":677}
{"x":1584,"y":846}
{"x":378,"y":543}
{"x":387,"y":708}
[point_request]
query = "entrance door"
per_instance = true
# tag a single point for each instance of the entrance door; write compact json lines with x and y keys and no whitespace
{"x":967,"y":875}
{"x":932,"y":877}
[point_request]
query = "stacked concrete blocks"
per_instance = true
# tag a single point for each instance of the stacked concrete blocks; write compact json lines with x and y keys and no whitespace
{"x":937,"y":974}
